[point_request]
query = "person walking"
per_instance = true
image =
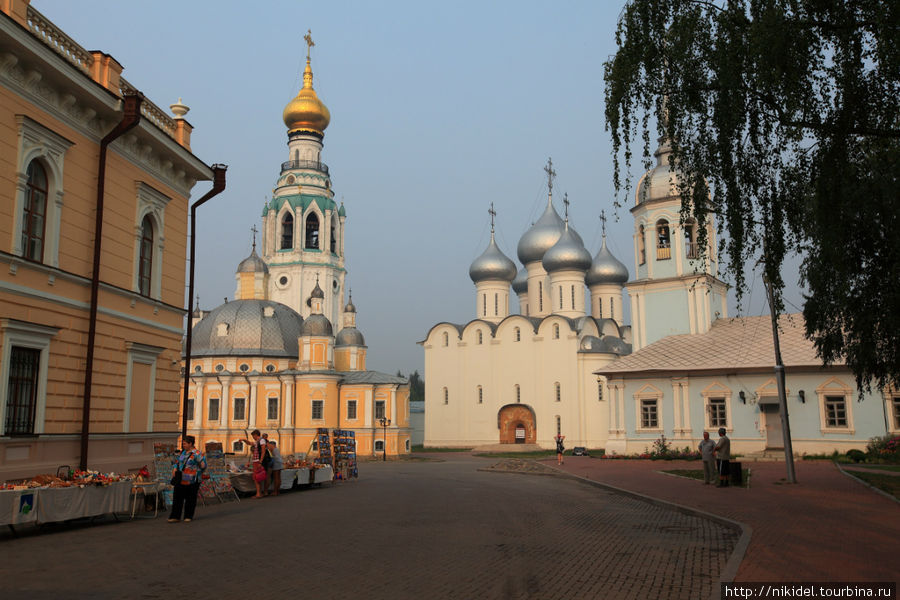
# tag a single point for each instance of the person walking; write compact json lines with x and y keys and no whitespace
{"x":560,"y":449}
{"x":723,"y":456}
{"x":276,"y":467}
{"x":707,"y":447}
{"x":190,"y":464}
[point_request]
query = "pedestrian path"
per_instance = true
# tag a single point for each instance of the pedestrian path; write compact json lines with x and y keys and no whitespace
{"x":827,"y":527}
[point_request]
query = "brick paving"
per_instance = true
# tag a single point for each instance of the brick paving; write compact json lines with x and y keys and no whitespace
{"x":436,"y":529}
{"x":827,"y":527}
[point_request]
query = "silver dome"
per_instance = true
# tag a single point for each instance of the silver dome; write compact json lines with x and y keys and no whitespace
{"x":492,"y":264}
{"x":350,"y":336}
{"x":350,"y":307}
{"x":661,"y":181}
{"x":606,"y":268}
{"x":317,"y":291}
{"x":567,"y":254}
{"x":248,"y":328}
{"x":316,"y":325}
{"x":543,"y":234}
{"x":253,"y":264}
{"x":520,"y":283}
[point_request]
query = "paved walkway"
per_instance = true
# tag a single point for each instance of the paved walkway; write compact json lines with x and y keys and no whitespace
{"x":827,"y":527}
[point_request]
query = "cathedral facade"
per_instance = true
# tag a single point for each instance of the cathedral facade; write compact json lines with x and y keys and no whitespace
{"x":285,"y":356}
{"x":567,"y":364}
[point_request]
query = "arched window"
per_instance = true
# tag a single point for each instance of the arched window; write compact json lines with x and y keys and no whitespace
{"x":145,"y":262}
{"x":560,"y":298}
{"x":573,"y":297}
{"x":484,"y":305}
{"x":540,"y":296}
{"x":555,"y":331}
{"x":600,"y":307}
{"x":446,"y":396}
{"x":479,"y":337}
{"x":35,"y":215}
{"x":312,"y":232}
{"x":518,"y":333}
{"x":642,"y":249}
{"x":558,"y":391}
{"x":690,"y":240}
{"x":518,"y":393}
{"x":446,"y":339}
{"x":333,"y":236}
{"x":480,"y":395}
{"x":663,"y":243}
{"x":496,"y":305}
{"x":287,"y":232}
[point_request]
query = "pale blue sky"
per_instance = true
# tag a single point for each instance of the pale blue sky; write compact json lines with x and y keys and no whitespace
{"x":437,"y":110}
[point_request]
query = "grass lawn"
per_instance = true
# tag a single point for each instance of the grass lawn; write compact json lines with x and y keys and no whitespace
{"x":885,"y":483}
{"x":894,"y":468}
{"x":698,"y":474}
{"x":424,"y":449}
{"x":533,"y":454}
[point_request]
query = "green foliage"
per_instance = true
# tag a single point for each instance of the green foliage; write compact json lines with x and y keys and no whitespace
{"x":885,"y":448}
{"x":856,"y":456}
{"x":784,"y":120}
{"x":416,"y":385}
{"x":886,"y":483}
{"x":662,"y":450}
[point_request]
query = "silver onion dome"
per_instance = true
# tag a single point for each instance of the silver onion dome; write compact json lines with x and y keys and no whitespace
{"x":606,"y":268}
{"x":349,"y":336}
{"x":520,"y":283}
{"x":540,"y":237}
{"x":661,"y":181}
{"x":317,"y":291}
{"x":253,"y":264}
{"x":350,"y":307}
{"x":492,"y":264}
{"x":567,"y":254}
{"x":316,"y":325}
{"x":248,"y":328}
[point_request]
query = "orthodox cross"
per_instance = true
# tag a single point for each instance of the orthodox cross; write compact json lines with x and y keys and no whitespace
{"x":493,"y":214}
{"x":254,"y":230}
{"x":566,"y":203}
{"x":603,"y":220}
{"x":550,"y":174}
{"x":309,"y":42}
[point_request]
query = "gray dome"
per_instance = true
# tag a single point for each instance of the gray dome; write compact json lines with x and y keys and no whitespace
{"x":606,"y":268}
{"x":350,"y":307}
{"x":541,"y":237}
{"x":492,"y":264}
{"x":609,"y":344}
{"x":317,"y":291}
{"x":248,"y":328}
{"x":661,"y":181}
{"x":253,"y":264}
{"x":316,"y":325}
{"x":350,"y":336}
{"x":567,"y":254}
{"x":520,"y":283}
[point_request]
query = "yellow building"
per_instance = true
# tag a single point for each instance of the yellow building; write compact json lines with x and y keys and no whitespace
{"x":57,"y":103}
{"x":270,"y":359}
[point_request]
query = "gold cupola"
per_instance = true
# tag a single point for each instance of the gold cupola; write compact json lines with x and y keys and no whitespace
{"x":306,"y":112}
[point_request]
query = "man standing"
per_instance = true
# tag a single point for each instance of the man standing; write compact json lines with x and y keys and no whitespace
{"x":723,"y":455}
{"x":707,"y":446}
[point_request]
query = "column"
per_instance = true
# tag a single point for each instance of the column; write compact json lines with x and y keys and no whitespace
{"x":251,"y":416}
{"x":288,"y":419}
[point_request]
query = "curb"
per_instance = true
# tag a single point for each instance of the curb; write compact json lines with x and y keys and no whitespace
{"x":740,"y":549}
{"x":865,"y":483}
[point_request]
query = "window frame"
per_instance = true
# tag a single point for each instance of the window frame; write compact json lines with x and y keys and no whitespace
{"x":317,"y":406}
{"x":286,"y":231}
{"x":14,"y":333}
{"x":150,"y":205}
{"x":835,"y":388}
{"x":380,"y":406}
{"x":209,"y":409}
{"x":145,"y":256}
{"x":28,"y":405}
{"x":352,"y":415}
{"x":312,"y":235}
{"x":29,"y":214}
{"x":647,"y":393}
{"x":234,"y":408}
{"x":717,"y":390}
{"x":269,"y":405}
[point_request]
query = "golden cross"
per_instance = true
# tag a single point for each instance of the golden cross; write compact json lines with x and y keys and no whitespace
{"x":309,"y":42}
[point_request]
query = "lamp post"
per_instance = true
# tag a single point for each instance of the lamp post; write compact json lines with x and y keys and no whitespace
{"x":384,"y":424}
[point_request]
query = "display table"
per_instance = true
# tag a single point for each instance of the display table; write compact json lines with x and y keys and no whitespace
{"x":323,"y":475}
{"x":46,"y":505}
{"x":289,"y":477}
{"x":145,"y":488}
{"x":242,"y":481}
{"x":18,"y":506}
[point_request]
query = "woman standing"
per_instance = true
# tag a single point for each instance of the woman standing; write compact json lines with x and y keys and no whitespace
{"x":258,"y":459}
{"x":560,"y":449}
{"x":190,"y":463}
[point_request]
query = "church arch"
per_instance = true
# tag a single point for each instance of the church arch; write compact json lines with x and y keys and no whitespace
{"x":517,"y":424}
{"x":312,"y":232}
{"x":287,"y":232}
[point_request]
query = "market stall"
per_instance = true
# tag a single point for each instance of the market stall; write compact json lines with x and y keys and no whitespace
{"x":47,"y":499}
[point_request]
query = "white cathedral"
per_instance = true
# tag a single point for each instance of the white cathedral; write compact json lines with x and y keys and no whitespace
{"x":682,"y":367}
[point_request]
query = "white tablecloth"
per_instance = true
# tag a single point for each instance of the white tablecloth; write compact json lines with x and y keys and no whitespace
{"x":243,"y":482}
{"x":62,"y":504}
{"x":18,"y":506}
{"x":289,"y":476}
{"x":323,"y":475}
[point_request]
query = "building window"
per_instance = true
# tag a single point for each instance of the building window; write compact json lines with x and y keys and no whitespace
{"x":379,"y":409}
{"x":446,"y":339}
{"x":213,"y":409}
{"x":717,"y":413}
{"x":21,"y":398}
{"x":573,"y":297}
{"x":407,"y":445}
{"x":379,"y":445}
{"x":480,"y":395}
{"x":649,"y":417}
{"x":560,"y":298}
{"x":272,"y":412}
{"x":600,"y":391}
{"x":145,"y":262}
{"x":555,"y":331}
{"x":558,"y":426}
{"x":612,"y":308}
{"x":600,"y":307}
{"x":642,"y":246}
{"x":237,"y":447}
{"x":219,"y":368}
{"x":540,"y":296}
{"x":558,"y":391}
{"x":333,"y":242}
{"x":690,"y":240}
{"x":484,"y":305}
{"x":318,"y":408}
{"x":479,"y":337}
{"x":312,"y":232}
{"x":835,"y":411}
{"x":663,"y":244}
{"x":496,"y":305}
{"x":270,"y":368}
{"x":446,"y":396}
{"x":240,"y":409}
{"x":244,"y":368}
{"x":518,"y":334}
{"x":351,"y":409}
{"x":287,"y":232}
{"x":190,"y":409}
{"x":34,"y":217}
{"x":518,"y":394}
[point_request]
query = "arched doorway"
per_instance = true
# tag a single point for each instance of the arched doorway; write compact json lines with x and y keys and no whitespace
{"x":516,"y":423}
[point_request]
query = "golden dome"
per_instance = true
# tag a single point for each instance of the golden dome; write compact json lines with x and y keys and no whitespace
{"x":306,"y":112}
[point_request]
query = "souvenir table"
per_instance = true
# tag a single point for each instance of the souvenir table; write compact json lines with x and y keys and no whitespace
{"x":289,"y":476}
{"x":49,"y":504}
{"x":18,"y":506}
{"x":322,"y":475}
{"x":242,"y":481}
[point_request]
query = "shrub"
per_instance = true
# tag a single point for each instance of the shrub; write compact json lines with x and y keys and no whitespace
{"x":885,"y":448}
{"x":856,"y":456}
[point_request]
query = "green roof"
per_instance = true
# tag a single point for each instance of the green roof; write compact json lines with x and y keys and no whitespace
{"x":300,"y":202}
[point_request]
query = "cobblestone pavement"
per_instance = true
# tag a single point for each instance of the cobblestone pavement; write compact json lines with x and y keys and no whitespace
{"x":424,"y":530}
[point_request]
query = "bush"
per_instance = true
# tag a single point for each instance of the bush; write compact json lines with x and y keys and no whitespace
{"x":885,"y":448}
{"x":856,"y":456}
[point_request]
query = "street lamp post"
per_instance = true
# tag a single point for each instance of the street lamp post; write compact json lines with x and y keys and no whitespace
{"x":384,"y":424}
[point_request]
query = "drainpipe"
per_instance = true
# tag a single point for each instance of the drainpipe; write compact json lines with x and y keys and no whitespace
{"x":130,"y":119}
{"x":218,"y":187}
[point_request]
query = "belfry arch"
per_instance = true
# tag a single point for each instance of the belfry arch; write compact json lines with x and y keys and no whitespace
{"x":517,"y":424}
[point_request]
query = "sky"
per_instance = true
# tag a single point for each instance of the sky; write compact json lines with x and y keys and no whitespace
{"x":437,"y":111}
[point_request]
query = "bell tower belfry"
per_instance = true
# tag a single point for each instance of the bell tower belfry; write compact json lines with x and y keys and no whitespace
{"x":675,"y":290}
{"x":303,"y":227}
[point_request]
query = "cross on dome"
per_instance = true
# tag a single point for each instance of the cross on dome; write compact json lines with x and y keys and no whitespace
{"x":493,"y":214}
{"x":566,"y":203}
{"x":603,"y":221}
{"x":309,"y":42}
{"x":551,"y":174}
{"x":254,"y":230}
